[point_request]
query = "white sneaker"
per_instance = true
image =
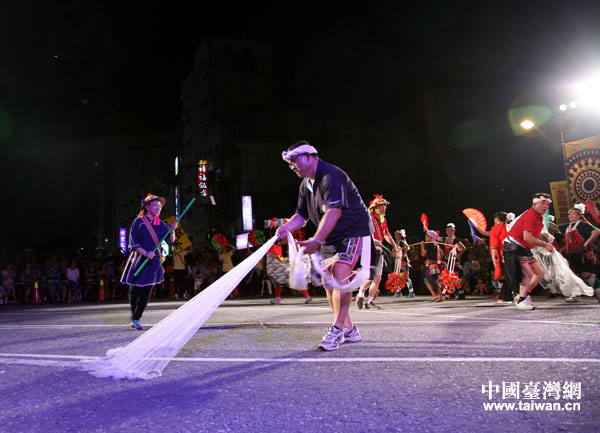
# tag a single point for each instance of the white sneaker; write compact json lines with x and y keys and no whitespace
{"x":528,"y":300}
{"x":351,"y":336}
{"x":574,"y":299}
{"x":332,"y":339}
{"x":524,"y":305}
{"x":277,"y":301}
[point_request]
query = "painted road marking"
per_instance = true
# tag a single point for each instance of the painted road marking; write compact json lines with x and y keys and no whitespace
{"x":317,"y":323}
{"x":45,"y":359}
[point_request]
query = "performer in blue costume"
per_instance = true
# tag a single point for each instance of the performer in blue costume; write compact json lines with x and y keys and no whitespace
{"x":145,"y":233}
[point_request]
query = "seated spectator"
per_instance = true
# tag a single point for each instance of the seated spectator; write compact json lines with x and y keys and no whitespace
{"x":54,"y":282}
{"x":200,"y":274}
{"x":92,"y":281}
{"x":28,"y":279}
{"x":73,"y":283}
{"x":8,"y":283}
{"x":480,"y":288}
{"x":471,"y":271}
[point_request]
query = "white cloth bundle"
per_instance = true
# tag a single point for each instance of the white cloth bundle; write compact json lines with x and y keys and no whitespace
{"x":559,"y":275}
{"x":299,"y":265}
{"x":146,"y":356}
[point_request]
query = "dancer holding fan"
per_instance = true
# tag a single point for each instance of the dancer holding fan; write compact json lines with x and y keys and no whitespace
{"x":497,"y":235}
{"x":144,"y":236}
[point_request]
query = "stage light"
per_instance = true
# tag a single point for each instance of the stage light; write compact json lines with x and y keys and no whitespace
{"x":563,"y":107}
{"x":588,"y":92}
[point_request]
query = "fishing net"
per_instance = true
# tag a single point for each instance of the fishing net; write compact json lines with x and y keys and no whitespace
{"x":148,"y":355}
{"x":559,"y":276}
{"x":299,"y":268}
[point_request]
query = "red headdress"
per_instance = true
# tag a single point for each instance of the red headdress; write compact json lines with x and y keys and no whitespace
{"x":378,"y":199}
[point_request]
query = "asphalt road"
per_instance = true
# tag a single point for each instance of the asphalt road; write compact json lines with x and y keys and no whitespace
{"x":253,"y":367}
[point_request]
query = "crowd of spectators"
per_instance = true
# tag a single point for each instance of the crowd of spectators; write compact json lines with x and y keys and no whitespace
{"x":66,"y":278}
{"x":30,"y":277}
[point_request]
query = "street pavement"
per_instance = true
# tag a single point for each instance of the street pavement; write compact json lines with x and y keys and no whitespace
{"x":253,"y":367}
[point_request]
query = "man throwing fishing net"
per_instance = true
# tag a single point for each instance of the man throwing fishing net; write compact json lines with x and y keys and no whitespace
{"x":332,"y":202}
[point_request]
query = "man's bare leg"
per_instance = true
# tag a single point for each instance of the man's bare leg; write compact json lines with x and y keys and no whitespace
{"x":341,"y":299}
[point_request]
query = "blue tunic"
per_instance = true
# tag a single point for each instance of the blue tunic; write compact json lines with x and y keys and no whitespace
{"x":139,"y":236}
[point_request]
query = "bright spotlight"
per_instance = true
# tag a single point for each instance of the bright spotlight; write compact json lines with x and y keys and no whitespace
{"x":527,"y":124}
{"x":588,"y":92}
{"x":563,"y":107}
{"x":573,"y":104}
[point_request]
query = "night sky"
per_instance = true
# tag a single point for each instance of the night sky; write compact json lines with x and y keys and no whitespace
{"x":67,"y":68}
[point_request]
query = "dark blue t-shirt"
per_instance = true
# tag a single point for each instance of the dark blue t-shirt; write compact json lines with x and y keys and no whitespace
{"x":333,"y":188}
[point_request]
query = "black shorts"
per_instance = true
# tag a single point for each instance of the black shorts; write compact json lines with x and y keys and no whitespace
{"x":348,"y":253}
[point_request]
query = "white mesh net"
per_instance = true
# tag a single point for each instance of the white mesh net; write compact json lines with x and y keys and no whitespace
{"x":146,"y":356}
{"x":300,"y":269}
{"x":559,"y":276}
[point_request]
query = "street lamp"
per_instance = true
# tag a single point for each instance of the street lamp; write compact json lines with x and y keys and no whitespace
{"x":588,"y":92}
{"x":527,"y":124}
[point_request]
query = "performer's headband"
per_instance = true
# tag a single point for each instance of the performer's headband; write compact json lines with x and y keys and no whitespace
{"x":542,"y":197}
{"x":300,"y":150}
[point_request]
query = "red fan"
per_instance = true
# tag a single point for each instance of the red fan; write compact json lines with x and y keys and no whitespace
{"x":592,"y":209}
{"x":425,"y":222}
{"x":476,"y":218}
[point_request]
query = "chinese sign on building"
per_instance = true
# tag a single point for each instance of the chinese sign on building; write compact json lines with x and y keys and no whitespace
{"x":202,"y":182}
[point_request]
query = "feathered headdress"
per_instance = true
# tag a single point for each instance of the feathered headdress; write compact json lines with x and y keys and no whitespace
{"x":377,"y":200}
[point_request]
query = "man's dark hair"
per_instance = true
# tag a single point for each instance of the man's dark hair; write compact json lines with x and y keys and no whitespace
{"x":501,"y":215}
{"x":298,"y":144}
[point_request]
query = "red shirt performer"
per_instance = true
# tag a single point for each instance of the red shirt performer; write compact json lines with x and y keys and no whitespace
{"x":523,"y":235}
